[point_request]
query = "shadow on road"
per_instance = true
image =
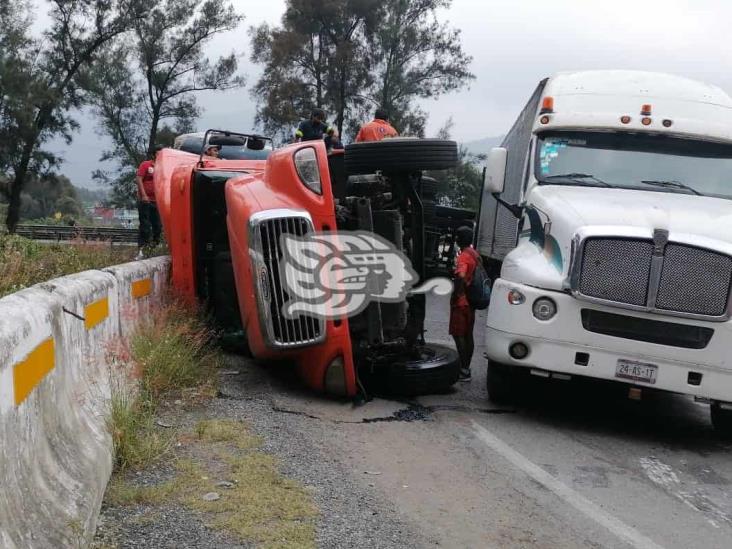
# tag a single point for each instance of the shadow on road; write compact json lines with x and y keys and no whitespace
{"x":603,"y":408}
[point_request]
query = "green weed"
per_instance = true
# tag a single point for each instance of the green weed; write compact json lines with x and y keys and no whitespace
{"x":25,"y":262}
{"x":172,"y":354}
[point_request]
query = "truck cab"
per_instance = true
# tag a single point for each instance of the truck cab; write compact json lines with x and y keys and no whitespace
{"x":607,"y":212}
{"x":225,"y":219}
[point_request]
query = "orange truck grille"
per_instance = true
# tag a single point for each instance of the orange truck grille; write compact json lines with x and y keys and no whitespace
{"x":266,"y":230}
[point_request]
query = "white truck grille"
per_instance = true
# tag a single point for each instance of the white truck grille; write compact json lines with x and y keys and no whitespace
{"x":686,"y":280}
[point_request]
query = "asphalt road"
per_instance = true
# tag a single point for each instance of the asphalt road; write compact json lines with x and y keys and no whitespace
{"x":573,"y":465}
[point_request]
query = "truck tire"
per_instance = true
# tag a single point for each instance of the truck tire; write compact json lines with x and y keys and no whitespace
{"x":430,"y":187}
{"x":428,"y":212}
{"x":501,"y":383}
{"x":400,"y":155}
{"x":468,"y":216}
{"x":721,"y":420}
{"x":435,"y":372}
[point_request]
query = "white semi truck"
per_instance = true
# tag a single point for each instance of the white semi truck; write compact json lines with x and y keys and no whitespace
{"x":607,"y":212}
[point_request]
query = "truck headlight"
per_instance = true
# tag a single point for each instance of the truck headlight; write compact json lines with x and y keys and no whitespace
{"x":306,"y":164}
{"x":544,"y":308}
{"x":515,"y":297}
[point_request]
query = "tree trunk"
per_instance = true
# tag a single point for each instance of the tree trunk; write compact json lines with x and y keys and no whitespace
{"x":16,"y":187}
{"x":319,"y":70}
{"x":342,"y":100}
{"x":153,"y":131}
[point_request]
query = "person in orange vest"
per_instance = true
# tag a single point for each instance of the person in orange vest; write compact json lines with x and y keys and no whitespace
{"x":377,"y":129}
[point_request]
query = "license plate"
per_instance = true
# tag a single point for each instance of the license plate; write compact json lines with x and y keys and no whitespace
{"x":636,"y":371}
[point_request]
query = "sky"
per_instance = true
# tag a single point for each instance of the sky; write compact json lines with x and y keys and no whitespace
{"x":514,"y":44}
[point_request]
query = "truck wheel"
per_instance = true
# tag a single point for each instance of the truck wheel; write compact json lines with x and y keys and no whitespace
{"x":722,"y":420}
{"x":400,"y":155}
{"x":428,"y":212}
{"x":500,"y":382}
{"x":463,"y":214}
{"x":435,"y":372}
{"x":430,"y":187}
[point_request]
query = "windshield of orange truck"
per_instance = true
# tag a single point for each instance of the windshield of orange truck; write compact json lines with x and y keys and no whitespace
{"x":227,"y":152}
{"x":634,"y":161}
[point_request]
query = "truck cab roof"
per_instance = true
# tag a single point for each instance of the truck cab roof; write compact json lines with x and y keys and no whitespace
{"x":616,"y":100}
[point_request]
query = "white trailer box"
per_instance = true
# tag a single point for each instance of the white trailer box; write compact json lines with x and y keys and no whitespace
{"x":497,"y":227}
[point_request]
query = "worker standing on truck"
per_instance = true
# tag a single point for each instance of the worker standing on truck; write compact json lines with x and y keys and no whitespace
{"x":377,"y":129}
{"x":314,"y":128}
{"x":462,"y":315}
{"x":149,"y":229}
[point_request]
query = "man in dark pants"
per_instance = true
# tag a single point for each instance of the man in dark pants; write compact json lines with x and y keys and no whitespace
{"x":462,"y":315}
{"x":146,"y":207}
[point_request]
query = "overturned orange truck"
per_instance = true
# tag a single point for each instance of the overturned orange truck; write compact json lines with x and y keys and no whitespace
{"x":224,"y":218}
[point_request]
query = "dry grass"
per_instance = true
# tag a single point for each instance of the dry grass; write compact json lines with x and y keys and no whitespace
{"x":172,"y":355}
{"x":262,"y":506}
{"x":25,"y":262}
{"x":174,"y":351}
{"x":223,"y":430}
{"x":123,"y":494}
{"x":136,"y":441}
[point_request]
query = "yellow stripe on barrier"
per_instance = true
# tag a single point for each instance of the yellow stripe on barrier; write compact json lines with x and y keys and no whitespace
{"x":96,"y":312}
{"x":30,"y":372}
{"x":141,"y":288}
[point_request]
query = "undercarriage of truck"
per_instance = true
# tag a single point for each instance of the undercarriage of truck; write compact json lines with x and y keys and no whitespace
{"x":382,"y":190}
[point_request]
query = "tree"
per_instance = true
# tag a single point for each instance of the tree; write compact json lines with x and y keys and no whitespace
{"x":352,"y":56}
{"x":415,"y":57}
{"x":318,"y":57}
{"x":145,"y":89}
{"x":17,"y":50}
{"x":50,"y":67}
{"x":44,"y":196}
{"x":462,"y":185}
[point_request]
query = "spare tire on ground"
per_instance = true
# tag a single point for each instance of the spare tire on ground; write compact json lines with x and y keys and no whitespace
{"x":435,"y":371}
{"x":432,"y":368}
{"x":400,"y":155}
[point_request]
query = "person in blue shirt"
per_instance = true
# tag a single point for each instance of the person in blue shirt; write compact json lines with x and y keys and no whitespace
{"x":313,"y":129}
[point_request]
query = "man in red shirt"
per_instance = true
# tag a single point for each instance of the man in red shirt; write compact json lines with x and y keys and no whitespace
{"x":146,"y":207}
{"x":462,"y":315}
{"x":377,"y":129}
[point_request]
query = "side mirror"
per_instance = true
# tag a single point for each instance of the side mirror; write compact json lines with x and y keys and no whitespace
{"x":495,"y":173}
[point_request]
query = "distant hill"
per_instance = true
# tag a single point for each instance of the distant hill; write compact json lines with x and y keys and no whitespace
{"x":482,"y":146}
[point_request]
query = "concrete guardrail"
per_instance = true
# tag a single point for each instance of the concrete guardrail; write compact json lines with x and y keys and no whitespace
{"x":55,"y":388}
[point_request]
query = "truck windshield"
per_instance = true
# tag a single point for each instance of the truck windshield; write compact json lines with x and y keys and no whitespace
{"x":635,"y":161}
